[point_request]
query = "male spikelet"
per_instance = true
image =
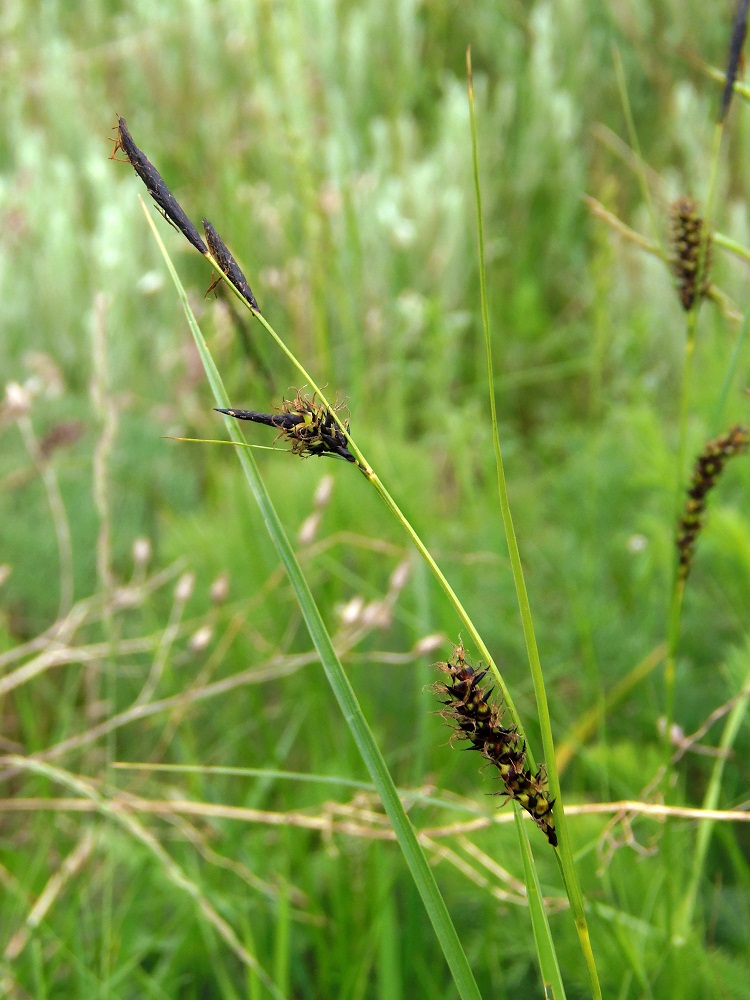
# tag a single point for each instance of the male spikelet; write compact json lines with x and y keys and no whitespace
{"x":155,"y":185}
{"x":174,"y":213}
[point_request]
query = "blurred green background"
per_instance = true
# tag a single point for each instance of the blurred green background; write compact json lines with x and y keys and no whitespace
{"x":328,"y":142}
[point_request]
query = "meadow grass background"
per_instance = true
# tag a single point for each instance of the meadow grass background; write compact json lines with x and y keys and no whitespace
{"x":329,"y":144}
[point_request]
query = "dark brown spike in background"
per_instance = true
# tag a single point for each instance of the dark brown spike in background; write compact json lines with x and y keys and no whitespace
{"x":155,"y":185}
{"x":734,"y":57}
{"x":472,"y":717}
{"x":708,"y":467}
{"x":686,"y":236}
{"x":227,"y":263}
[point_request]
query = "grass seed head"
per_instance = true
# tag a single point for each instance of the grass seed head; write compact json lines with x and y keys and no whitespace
{"x":686,"y":236}
{"x":468,"y":711}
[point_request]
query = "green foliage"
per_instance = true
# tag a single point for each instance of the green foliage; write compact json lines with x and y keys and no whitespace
{"x":329,"y":144}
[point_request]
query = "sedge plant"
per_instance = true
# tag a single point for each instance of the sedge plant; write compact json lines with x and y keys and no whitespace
{"x":314,"y":427}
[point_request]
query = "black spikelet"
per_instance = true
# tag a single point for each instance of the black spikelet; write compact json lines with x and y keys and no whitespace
{"x":469,"y":712}
{"x":228,"y":265}
{"x":155,"y":185}
{"x":734,"y":55}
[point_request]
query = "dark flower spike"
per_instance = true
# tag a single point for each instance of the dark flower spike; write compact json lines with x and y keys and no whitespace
{"x":468,"y":711}
{"x":155,"y":185}
{"x":310,"y":428}
{"x":708,"y":467}
{"x":228,"y":265}
{"x":736,"y":42}
{"x":686,"y":235}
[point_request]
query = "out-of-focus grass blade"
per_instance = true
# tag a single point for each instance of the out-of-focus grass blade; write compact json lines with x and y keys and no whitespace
{"x":113,"y":812}
{"x":342,"y":689}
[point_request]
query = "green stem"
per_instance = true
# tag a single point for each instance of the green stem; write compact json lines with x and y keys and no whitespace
{"x":635,"y":145}
{"x":451,"y":595}
{"x":565,"y":853}
{"x":731,"y":371}
{"x":673,"y":641}
{"x":727,"y":243}
{"x":678,"y":583}
{"x":710,"y":802}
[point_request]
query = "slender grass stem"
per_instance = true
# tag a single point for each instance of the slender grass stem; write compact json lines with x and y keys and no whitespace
{"x":103,"y":680}
{"x":539,"y":922}
{"x":59,"y":515}
{"x":731,"y":371}
{"x":714,"y":73}
{"x":732,"y":727}
{"x":565,"y":854}
{"x":678,"y":584}
{"x":450,"y":593}
{"x":712,"y":180}
{"x":732,"y":246}
{"x":633,"y":138}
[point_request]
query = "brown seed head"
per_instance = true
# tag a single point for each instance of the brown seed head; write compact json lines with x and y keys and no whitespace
{"x":470,"y":714}
{"x":708,"y":467}
{"x":686,"y":236}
